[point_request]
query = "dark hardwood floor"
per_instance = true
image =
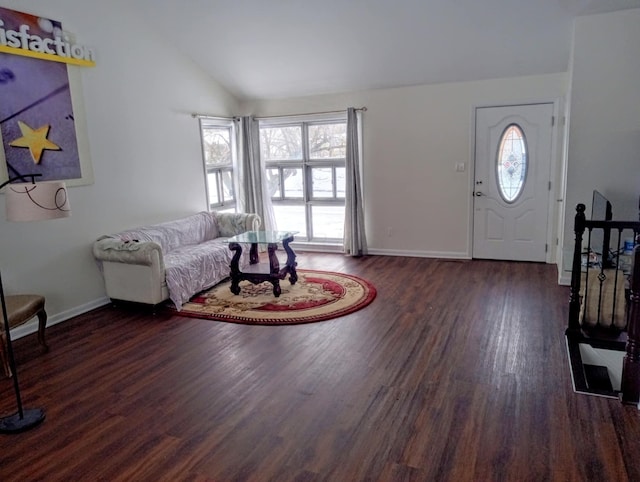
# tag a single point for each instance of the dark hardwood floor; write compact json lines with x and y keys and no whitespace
{"x":457,"y":371}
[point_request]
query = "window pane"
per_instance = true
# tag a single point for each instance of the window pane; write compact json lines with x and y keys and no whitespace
{"x":328,"y":141}
{"x":227,"y":187}
{"x":341,"y":182}
{"x":281,"y":143}
{"x":226,"y":209}
{"x":291,"y":218}
{"x":293,"y":183}
{"x":328,"y":222}
{"x":511,"y":165}
{"x":213,"y":191}
{"x":216,"y":145}
{"x":322,"y":179}
{"x":273,"y":183}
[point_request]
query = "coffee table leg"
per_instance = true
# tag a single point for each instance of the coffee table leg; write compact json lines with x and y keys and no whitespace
{"x":276,"y":287}
{"x":274,"y":264}
{"x":274,"y":269}
{"x":291,"y":260}
{"x":253,"y":254}
{"x":235,"y":267}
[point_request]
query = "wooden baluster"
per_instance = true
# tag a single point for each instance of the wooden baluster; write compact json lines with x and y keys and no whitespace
{"x":576,"y":268}
{"x":630,"y":386}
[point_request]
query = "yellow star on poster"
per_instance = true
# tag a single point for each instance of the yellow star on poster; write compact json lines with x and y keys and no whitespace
{"x":35,"y":139}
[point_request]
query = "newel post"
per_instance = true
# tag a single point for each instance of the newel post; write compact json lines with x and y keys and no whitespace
{"x":630,"y":386}
{"x":576,"y":268}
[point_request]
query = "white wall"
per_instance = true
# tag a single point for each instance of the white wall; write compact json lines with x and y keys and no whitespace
{"x":413,"y":137}
{"x":604,"y":134}
{"x":144,"y":146}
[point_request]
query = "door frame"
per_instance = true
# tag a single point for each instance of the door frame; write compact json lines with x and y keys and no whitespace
{"x":555,"y":194}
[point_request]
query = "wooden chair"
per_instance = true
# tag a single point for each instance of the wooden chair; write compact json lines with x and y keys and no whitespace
{"x":20,"y":309}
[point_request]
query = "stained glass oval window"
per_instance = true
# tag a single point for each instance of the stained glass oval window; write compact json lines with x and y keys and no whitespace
{"x":511,"y":164}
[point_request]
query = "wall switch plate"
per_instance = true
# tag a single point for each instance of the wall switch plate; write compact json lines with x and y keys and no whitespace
{"x":460,"y":166}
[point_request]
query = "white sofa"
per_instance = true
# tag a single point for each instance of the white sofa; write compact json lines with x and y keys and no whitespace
{"x":175,"y":260}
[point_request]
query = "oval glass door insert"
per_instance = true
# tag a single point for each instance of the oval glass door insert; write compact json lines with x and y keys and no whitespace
{"x":511,"y":164}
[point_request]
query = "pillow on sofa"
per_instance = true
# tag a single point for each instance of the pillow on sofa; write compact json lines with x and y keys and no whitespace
{"x":231,"y":224}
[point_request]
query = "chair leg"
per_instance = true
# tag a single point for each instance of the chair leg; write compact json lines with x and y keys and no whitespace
{"x":42,"y":323}
{"x":4,"y":356}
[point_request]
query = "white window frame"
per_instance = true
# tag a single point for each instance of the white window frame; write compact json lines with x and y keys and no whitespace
{"x":226,"y":205}
{"x":306,"y":164}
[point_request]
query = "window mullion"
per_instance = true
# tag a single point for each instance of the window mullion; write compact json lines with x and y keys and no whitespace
{"x":306,"y":179}
{"x":334,"y":182}
{"x":232,"y":188}
{"x":305,"y":163}
{"x":219,"y":186}
{"x":281,"y":182}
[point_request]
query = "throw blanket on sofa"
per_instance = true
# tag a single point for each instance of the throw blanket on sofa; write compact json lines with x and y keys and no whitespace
{"x":187,"y":231}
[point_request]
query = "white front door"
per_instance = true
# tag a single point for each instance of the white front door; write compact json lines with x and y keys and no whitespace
{"x":512,"y":182}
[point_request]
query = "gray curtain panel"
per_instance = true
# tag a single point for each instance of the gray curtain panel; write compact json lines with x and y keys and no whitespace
{"x":254,"y":197}
{"x":355,"y":242}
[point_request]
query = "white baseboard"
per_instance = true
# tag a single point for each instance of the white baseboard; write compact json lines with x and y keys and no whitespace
{"x":420,"y":254}
{"x":32,"y":325}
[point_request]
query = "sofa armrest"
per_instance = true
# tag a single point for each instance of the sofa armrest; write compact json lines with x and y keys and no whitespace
{"x":145,"y":253}
{"x":230,"y":224}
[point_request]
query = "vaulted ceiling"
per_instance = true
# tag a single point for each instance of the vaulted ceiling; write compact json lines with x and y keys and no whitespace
{"x":288,"y":48}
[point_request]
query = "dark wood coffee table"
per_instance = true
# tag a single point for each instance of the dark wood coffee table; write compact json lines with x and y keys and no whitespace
{"x":258,"y":272}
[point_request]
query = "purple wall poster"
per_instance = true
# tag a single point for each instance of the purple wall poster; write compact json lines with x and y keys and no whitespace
{"x":37,"y":121}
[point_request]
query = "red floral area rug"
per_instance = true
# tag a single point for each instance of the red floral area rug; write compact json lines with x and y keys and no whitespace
{"x":317,"y":296}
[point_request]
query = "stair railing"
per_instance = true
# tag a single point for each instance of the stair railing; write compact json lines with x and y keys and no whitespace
{"x":630,"y":385}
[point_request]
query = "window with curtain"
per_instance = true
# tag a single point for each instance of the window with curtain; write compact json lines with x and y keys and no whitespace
{"x":304,"y":159}
{"x":219,"y":157}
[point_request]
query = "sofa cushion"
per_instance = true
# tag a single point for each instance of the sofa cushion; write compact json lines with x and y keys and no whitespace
{"x":171,"y":235}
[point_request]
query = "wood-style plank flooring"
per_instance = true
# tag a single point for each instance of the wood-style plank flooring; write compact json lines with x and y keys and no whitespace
{"x":457,"y":371}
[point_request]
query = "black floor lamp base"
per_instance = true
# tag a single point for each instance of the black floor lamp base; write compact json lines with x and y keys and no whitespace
{"x":15,"y":424}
